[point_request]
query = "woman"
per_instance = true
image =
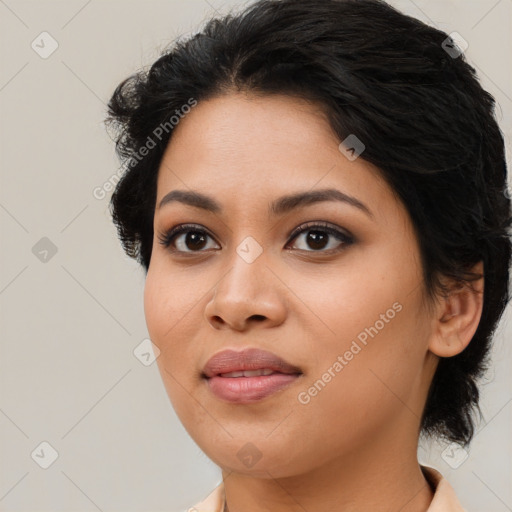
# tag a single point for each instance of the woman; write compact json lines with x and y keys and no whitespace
{"x":317,"y":193}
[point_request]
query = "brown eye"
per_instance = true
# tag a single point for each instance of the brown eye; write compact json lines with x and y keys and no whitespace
{"x":186,"y":238}
{"x":321,"y":238}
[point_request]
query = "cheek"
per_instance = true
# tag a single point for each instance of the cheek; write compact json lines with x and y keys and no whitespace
{"x":370,"y":363}
{"x":165,"y":313}
{"x":169,"y":299}
{"x":373,"y":384}
{"x":156,"y":308}
{"x":172,"y":308}
{"x":348,"y":306}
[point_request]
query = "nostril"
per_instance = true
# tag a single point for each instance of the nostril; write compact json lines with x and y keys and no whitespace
{"x":218,"y":320}
{"x":258,"y":317}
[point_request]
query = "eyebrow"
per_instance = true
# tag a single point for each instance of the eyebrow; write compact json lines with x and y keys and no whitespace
{"x":280,"y":206}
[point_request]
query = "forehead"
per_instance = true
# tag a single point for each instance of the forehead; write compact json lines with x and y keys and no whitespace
{"x":245,"y":147}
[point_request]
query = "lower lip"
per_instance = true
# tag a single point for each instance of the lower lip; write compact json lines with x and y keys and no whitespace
{"x":244,"y":390}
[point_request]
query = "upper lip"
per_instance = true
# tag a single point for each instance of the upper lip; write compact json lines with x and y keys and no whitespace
{"x":228,"y":361}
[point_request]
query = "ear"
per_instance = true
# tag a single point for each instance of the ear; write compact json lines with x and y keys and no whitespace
{"x":457,"y":317}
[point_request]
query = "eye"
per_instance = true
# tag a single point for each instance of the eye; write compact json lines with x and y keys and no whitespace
{"x":194,"y":238}
{"x":317,"y":237}
{"x":190,"y":238}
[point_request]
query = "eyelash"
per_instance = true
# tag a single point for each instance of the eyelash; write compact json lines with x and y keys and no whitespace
{"x":167,"y":238}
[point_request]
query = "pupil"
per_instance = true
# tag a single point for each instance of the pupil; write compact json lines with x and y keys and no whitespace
{"x":315,"y":239}
{"x":195,"y":239}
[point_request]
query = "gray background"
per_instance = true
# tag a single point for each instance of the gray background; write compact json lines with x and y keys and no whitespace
{"x":71,"y":320}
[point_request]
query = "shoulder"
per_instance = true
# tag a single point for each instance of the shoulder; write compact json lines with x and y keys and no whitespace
{"x":445,"y":499}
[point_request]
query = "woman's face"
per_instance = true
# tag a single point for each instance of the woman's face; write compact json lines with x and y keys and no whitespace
{"x":341,"y":301}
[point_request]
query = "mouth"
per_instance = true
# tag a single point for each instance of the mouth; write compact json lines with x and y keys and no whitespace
{"x":248,"y":376}
{"x":248,"y":373}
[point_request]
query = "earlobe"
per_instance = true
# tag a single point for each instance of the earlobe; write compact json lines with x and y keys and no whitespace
{"x":457,"y":317}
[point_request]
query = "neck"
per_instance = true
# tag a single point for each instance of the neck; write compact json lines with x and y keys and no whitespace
{"x":372,"y":478}
{"x":387,"y":491}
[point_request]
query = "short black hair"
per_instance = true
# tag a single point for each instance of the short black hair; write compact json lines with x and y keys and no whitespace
{"x":391,"y":80}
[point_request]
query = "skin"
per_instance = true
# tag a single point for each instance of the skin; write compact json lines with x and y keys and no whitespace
{"x":353,"y":445}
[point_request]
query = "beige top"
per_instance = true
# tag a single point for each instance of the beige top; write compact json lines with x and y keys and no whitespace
{"x":444,"y":499}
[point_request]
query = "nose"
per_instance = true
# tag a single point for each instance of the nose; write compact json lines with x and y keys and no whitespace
{"x":247,"y":295}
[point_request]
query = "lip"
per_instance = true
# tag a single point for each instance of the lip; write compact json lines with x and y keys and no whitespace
{"x":248,"y":359}
{"x":248,"y":389}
